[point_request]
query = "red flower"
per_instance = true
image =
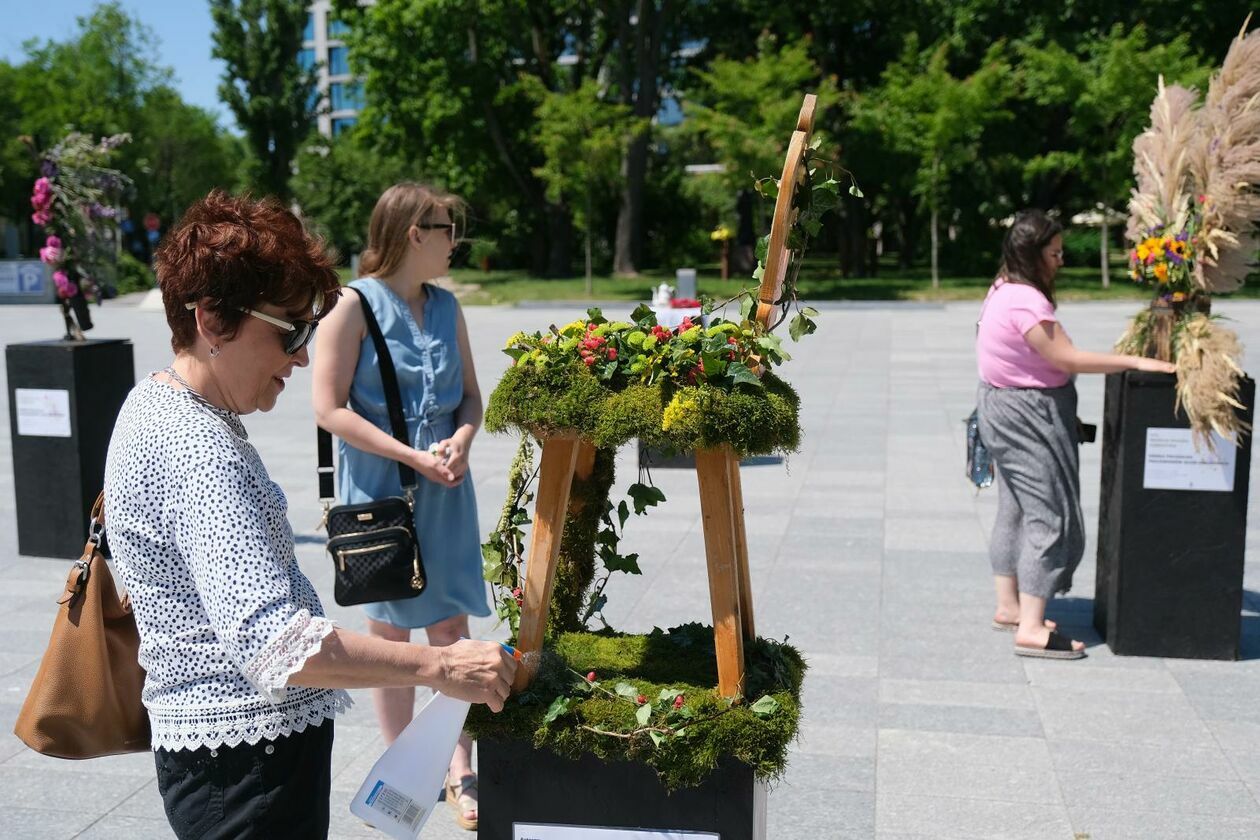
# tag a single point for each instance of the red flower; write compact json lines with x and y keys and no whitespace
{"x":590,"y":360}
{"x":678,"y":702}
{"x":612,"y":353}
{"x":640,"y":699}
{"x":590,"y":677}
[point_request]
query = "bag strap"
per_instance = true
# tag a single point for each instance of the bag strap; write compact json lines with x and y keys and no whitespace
{"x":393,"y":402}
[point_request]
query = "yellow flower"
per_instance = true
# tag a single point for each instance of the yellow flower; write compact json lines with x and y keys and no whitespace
{"x":679,"y":411}
{"x":721,"y":233}
{"x":1178,"y":297}
{"x":1143,"y":252}
{"x":1161,"y":272}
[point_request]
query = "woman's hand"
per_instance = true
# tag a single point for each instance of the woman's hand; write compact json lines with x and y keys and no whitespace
{"x":1154,"y":366}
{"x":454,"y":451}
{"x":432,"y":467}
{"x":479,"y":672}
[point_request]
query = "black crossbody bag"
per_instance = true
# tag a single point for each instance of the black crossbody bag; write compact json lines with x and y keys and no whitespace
{"x":375,"y":552}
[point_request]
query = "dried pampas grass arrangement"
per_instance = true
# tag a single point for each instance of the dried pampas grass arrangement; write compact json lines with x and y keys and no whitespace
{"x":1197,"y":169}
{"x":1226,"y":165}
{"x":1208,"y":377}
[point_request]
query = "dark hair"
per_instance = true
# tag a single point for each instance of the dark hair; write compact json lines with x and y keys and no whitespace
{"x":1031,"y":231}
{"x":236,"y":252}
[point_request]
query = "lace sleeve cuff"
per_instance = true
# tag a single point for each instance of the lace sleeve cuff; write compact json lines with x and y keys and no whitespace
{"x":285,"y":655}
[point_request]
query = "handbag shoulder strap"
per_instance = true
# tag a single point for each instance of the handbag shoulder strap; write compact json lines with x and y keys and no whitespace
{"x":393,"y":402}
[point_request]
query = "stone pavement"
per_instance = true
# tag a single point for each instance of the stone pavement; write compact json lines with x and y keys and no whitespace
{"x":868,"y":549}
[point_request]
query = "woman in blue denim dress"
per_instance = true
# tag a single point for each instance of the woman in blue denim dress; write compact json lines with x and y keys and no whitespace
{"x":410,"y":239}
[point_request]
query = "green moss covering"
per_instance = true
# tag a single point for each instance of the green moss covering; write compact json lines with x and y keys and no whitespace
{"x":575,"y":567}
{"x":752,"y":420}
{"x":682,"y":658}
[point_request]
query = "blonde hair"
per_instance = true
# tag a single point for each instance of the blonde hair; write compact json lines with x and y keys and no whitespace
{"x":398,"y":208}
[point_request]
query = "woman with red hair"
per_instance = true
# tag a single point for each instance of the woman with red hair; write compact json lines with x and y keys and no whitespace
{"x":243,"y":670}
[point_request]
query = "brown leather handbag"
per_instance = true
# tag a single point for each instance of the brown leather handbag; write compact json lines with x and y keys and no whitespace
{"x":85,"y":700}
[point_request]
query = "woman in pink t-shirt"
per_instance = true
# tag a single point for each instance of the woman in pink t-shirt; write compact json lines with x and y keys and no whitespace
{"x":1027,"y":413}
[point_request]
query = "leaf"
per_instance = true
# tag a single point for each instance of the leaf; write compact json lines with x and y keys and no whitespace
{"x":809,"y":312}
{"x":765,"y":707}
{"x":812,"y":226}
{"x":801,"y":326}
{"x":642,"y":311}
{"x":759,"y":271}
{"x":763,"y":248}
{"x":644,"y":714}
{"x":713,"y":366}
{"x":746,"y":305}
{"x":741,"y":375}
{"x":645,"y":496}
{"x":558,"y":707}
{"x":854,"y":191}
{"x":628,"y":563}
{"x":658,"y":738}
{"x":623,"y":513}
{"x":515,"y":352}
{"x":596,"y":315}
{"x":667,"y":695}
{"x":625,"y":689}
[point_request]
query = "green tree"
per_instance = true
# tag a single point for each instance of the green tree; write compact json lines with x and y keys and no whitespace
{"x":744,"y":112}
{"x":106,"y":79}
{"x":338,"y":182}
{"x":264,"y":86}
{"x":938,"y":120}
{"x":583,"y":139}
{"x":1103,"y":91}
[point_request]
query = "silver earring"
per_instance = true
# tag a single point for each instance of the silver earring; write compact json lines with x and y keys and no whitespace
{"x":214,"y":351}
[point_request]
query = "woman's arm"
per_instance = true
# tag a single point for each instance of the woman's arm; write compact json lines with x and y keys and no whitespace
{"x":479,"y":672}
{"x":1049,"y":339}
{"x":470,"y":411}
{"x":337,"y":343}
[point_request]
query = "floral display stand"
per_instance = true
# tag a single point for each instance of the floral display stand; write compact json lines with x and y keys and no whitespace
{"x":1173,"y":592}
{"x":679,"y":729}
{"x":1177,"y":448}
{"x":64,"y":394}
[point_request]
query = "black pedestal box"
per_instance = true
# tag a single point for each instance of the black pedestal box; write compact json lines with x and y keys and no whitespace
{"x":1170,"y":562}
{"x":72,"y":391}
{"x":519,"y":784}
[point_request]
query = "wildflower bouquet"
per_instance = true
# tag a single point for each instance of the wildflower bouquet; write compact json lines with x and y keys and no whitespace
{"x":75,"y":200}
{"x":1165,"y":260}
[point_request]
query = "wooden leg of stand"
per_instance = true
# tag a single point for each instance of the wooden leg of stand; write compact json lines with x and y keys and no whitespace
{"x":714,"y":474}
{"x":555,"y":479}
{"x":741,"y":552}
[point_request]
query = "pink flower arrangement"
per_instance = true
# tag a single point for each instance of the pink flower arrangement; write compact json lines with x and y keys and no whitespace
{"x":41,"y":217}
{"x":51,"y":252}
{"x":65,"y":289}
{"x":42,"y":201}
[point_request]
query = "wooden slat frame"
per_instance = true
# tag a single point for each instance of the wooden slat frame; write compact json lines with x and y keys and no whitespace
{"x":777,"y":253}
{"x":555,"y":482}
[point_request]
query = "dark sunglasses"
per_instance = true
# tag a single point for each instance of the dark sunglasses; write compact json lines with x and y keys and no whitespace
{"x":299,"y":333}
{"x":449,"y":227}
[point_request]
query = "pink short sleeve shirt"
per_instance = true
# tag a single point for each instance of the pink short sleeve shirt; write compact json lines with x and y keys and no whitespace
{"x":1004,"y":357}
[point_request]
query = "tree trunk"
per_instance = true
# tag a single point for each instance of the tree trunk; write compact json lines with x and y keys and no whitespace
{"x":936,"y":272}
{"x":559,"y":240}
{"x":647,"y":39}
{"x":1103,"y":254}
{"x":590,"y":285}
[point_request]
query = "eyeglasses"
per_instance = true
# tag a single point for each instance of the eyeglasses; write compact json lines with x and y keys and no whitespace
{"x":449,"y":227}
{"x":299,"y":332}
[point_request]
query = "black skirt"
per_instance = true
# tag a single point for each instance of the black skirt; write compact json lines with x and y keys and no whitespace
{"x":273,"y":789}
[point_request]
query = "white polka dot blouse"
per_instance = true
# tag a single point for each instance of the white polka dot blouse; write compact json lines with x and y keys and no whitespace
{"x":201,"y":539}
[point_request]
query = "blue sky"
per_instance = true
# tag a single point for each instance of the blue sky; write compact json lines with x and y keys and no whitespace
{"x":181,"y":27}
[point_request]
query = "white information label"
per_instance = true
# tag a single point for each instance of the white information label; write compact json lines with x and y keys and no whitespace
{"x":538,"y":831}
{"x":42,"y":412}
{"x":1174,"y":463}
